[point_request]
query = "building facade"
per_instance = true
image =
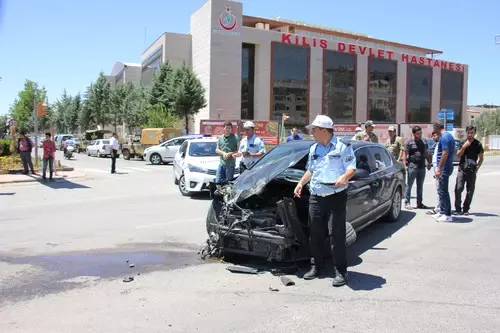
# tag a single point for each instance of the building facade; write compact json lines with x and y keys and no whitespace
{"x":258,"y":68}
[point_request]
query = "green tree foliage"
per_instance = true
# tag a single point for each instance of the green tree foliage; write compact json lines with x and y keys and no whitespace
{"x":488,"y":123}
{"x":189,"y":93}
{"x":85,"y":120}
{"x":4,"y":127}
{"x":71,"y":117}
{"x":159,"y":117}
{"x":62,"y":108}
{"x":162,"y":91}
{"x":22,"y":108}
{"x":98,"y":101}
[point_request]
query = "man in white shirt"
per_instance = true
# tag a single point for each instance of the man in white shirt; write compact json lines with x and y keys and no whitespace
{"x":251,"y":147}
{"x":115,"y":145}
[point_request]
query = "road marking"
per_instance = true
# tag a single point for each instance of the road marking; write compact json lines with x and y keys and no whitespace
{"x":147,"y":226}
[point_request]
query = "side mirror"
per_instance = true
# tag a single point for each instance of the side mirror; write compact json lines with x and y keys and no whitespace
{"x":360,"y":174}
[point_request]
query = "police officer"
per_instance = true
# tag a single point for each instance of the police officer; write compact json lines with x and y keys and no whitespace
{"x":251,"y":147}
{"x":331,"y":164}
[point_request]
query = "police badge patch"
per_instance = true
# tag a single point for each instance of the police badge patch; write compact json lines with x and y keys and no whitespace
{"x":349,"y":158}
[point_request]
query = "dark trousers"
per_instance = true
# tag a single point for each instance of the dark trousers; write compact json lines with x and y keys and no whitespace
{"x":464,"y":178}
{"x":419,"y":175}
{"x":444,"y":195}
{"x":27,"y":163}
{"x":328,"y":214}
{"x":50,"y":162}
{"x":114,"y":154}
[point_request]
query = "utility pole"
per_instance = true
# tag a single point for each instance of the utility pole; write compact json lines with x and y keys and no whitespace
{"x":35,"y":123}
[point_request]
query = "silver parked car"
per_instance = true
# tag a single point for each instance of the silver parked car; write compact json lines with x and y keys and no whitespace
{"x":99,"y":148}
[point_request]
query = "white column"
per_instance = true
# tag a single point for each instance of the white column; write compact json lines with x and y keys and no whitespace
{"x":361,"y":88}
{"x":465,"y":117}
{"x":401,"y":92}
{"x":262,"y":81}
{"x":315,"y":83}
{"x":436,"y":93}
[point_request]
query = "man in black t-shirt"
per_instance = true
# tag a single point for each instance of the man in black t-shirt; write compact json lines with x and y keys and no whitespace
{"x":416,"y":154}
{"x":471,"y":157}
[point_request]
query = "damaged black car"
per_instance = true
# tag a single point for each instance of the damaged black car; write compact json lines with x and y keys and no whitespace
{"x":257,"y":214}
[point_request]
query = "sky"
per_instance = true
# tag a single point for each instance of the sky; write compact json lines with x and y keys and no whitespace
{"x":65,"y":44}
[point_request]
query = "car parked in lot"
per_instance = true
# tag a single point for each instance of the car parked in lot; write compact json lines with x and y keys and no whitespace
{"x":431,"y":144}
{"x":99,"y":148}
{"x":165,"y":152}
{"x":195,"y":165}
{"x":258,"y":215}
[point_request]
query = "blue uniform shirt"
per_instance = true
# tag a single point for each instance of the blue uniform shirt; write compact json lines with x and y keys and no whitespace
{"x":293,"y":137}
{"x":252,"y":145}
{"x":327,"y":164}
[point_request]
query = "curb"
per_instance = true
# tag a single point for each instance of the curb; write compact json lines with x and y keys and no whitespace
{"x":39,"y":170}
{"x":39,"y":179}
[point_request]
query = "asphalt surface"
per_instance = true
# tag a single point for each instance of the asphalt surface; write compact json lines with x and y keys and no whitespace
{"x":66,"y":247}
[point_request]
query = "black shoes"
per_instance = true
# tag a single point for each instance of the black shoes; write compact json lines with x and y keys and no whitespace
{"x":312,"y":274}
{"x":422,"y":206}
{"x":339,"y":279}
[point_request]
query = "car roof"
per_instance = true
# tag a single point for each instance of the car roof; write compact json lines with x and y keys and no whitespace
{"x":354,"y":143}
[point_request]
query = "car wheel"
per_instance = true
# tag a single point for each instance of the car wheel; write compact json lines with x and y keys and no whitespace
{"x":350,"y":234}
{"x":126,"y":154}
{"x":99,"y":154}
{"x":393,"y":213}
{"x":88,"y":152}
{"x":155,"y":159}
{"x":183,"y":187}
{"x":176,"y":181}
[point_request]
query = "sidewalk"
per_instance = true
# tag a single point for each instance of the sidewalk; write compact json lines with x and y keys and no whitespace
{"x":20,"y":178}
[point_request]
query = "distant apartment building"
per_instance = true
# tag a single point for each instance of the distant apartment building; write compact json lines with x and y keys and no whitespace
{"x":259,"y":68}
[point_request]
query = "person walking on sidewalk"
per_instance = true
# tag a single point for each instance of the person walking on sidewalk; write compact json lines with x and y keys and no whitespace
{"x":25,"y":147}
{"x":444,"y":169}
{"x":227,"y":147}
{"x":416,"y":155}
{"x":115,"y":145}
{"x":49,"y":151}
{"x":436,"y":209}
{"x":471,"y":154}
{"x":331,"y":163}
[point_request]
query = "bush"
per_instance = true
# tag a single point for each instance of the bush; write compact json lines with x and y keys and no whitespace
{"x":5,"y":147}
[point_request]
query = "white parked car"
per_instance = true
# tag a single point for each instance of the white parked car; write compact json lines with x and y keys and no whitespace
{"x":195,"y":165}
{"x":165,"y":152}
{"x":99,"y":148}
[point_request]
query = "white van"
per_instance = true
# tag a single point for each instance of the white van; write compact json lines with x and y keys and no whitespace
{"x":195,"y":165}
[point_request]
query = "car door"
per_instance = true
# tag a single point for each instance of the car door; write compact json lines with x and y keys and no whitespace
{"x":174,"y":148}
{"x":166,"y":151}
{"x":360,"y":191}
{"x":383,"y":174}
{"x":178,"y":159}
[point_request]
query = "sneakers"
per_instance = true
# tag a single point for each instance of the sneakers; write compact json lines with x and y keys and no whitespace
{"x":444,"y":218}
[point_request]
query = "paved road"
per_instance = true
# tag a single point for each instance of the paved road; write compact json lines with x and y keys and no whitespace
{"x":64,"y":249}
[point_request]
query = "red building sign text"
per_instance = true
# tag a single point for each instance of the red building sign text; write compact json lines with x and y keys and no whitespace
{"x":305,"y":41}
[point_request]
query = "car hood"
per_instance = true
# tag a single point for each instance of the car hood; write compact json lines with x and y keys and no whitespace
{"x":254,"y":180}
{"x":209,"y":162}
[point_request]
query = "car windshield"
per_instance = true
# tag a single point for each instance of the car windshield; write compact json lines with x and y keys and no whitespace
{"x":278,"y":153}
{"x":202,"y":149}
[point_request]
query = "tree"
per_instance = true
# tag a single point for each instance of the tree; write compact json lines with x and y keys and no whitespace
{"x":62,"y":108}
{"x":22,"y":108}
{"x":190,"y":94}
{"x":159,"y":117}
{"x":72,"y":114}
{"x":85,"y":120}
{"x":488,"y":123}
{"x":162,"y":91}
{"x":98,"y":101}
{"x":135,"y":105}
{"x":4,"y":127}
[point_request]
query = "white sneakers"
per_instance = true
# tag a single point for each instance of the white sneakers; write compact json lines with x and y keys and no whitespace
{"x":442,"y":218}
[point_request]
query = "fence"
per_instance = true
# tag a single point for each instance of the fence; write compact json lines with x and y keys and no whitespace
{"x":494,"y":142}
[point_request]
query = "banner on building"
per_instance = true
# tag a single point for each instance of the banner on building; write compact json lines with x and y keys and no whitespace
{"x":266,"y":130}
{"x":407,"y":134}
{"x":344,"y":129}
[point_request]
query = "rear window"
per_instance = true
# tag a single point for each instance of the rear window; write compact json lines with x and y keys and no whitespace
{"x":105,"y":142}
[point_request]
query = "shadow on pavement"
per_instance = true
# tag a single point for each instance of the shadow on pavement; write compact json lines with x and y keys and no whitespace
{"x":201,"y":196}
{"x":460,"y":219}
{"x":8,"y":193}
{"x":63,"y":184}
{"x":483,"y":214}
{"x":361,"y":281}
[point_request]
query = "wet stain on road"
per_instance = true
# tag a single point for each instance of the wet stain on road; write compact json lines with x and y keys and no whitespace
{"x":62,"y":271}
